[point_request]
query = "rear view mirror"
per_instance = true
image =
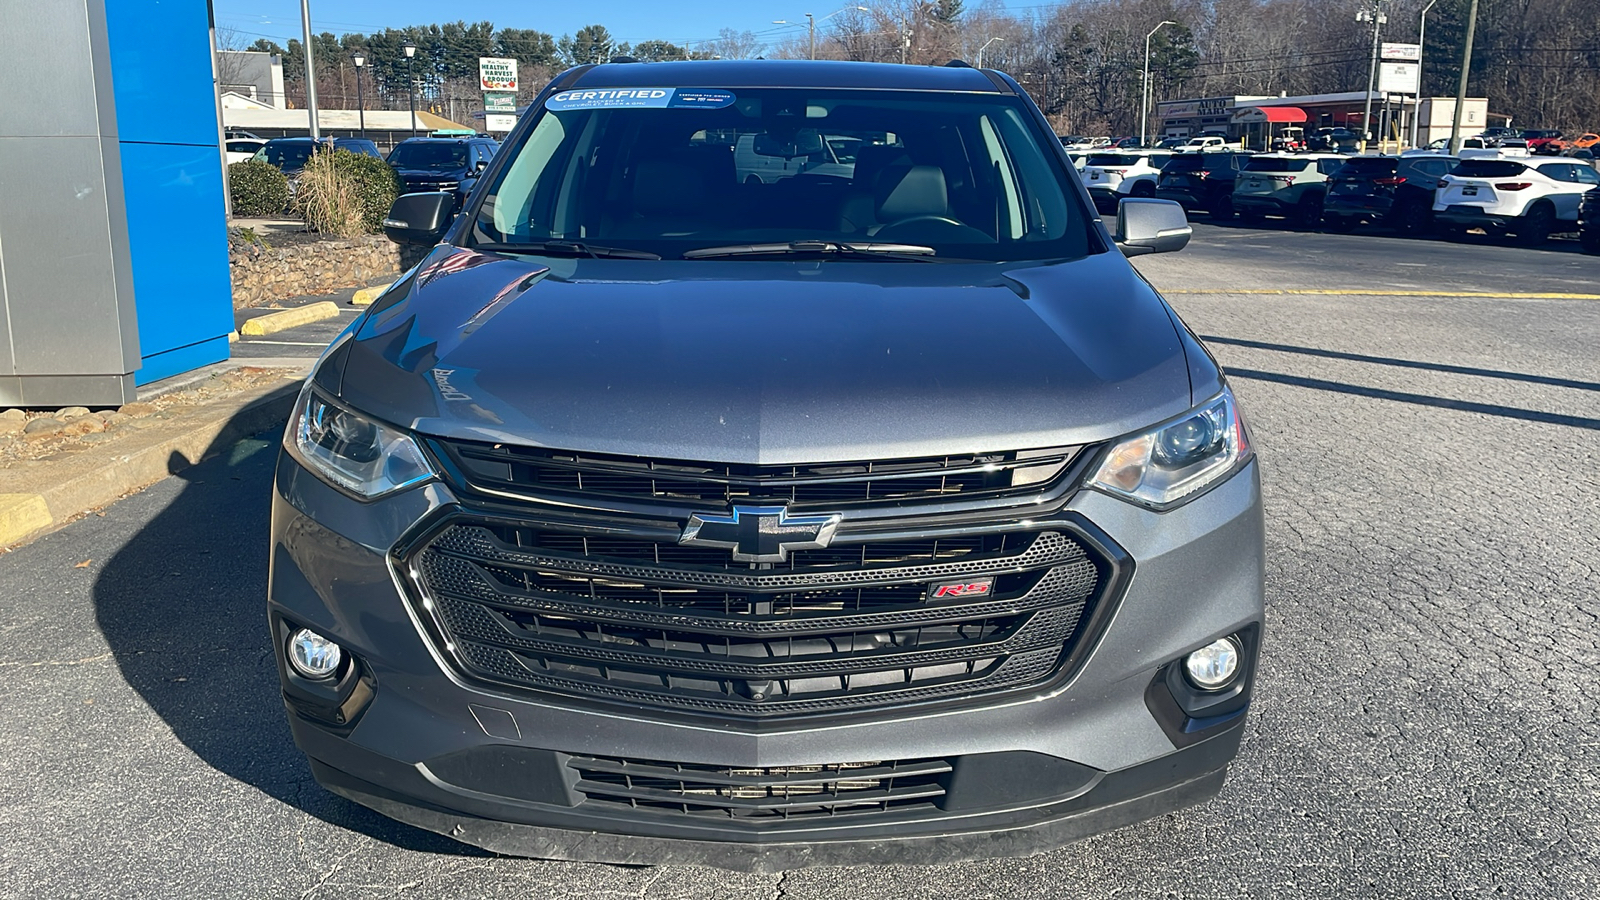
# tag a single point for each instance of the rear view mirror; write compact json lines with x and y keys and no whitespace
{"x":419,"y":218}
{"x":804,"y":142}
{"x":1151,"y":226}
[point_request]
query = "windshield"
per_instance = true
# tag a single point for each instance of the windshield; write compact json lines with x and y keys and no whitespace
{"x":965,"y":175}
{"x":286,"y":155}
{"x":437,"y":156}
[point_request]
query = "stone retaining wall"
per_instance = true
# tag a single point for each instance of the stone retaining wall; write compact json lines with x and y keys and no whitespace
{"x":302,"y":267}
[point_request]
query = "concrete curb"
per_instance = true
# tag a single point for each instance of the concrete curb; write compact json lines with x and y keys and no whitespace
{"x":366,"y":295}
{"x":284,"y":319}
{"x":38,"y":499}
{"x":22,"y":515}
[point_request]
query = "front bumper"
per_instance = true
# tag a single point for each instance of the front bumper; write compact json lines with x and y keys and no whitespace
{"x":1108,"y":747}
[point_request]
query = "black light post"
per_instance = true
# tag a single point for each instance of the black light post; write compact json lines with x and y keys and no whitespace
{"x":361,"y":106}
{"x":411,"y":51}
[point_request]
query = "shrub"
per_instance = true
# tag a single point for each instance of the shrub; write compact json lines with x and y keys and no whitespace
{"x":346,"y":193}
{"x":257,"y":188}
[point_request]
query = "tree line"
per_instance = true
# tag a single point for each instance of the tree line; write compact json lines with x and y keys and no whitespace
{"x":1082,"y":60}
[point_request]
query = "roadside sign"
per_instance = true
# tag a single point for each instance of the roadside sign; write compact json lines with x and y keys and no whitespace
{"x":499,"y":101}
{"x":497,"y":74}
{"x":1406,"y":52}
{"x":499,"y":121}
{"x":1397,"y":77}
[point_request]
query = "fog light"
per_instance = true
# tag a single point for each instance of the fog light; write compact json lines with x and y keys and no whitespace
{"x":313,"y":655}
{"x":1213,"y":666}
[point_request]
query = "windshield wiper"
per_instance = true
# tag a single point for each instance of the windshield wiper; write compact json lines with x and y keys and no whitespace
{"x":913,"y":252}
{"x":569,"y":248}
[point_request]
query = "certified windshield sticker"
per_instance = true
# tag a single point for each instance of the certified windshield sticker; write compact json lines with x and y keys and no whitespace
{"x":639,"y":98}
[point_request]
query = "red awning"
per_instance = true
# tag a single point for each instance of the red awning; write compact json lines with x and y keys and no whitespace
{"x":1269,"y":114}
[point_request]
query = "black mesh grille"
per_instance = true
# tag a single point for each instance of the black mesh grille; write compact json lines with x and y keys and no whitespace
{"x":844,"y":627}
{"x":505,"y":467}
{"x":782,"y":792}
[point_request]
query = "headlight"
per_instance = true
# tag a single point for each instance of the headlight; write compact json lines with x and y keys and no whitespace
{"x":1172,"y":462}
{"x":366,"y":458}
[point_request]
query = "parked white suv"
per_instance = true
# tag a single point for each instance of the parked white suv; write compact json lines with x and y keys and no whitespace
{"x":1114,"y":174}
{"x":1526,"y":196}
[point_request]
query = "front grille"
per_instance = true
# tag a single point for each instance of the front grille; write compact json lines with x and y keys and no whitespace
{"x":505,"y":467}
{"x":754,"y":794}
{"x":420,"y":185}
{"x":851,"y":626}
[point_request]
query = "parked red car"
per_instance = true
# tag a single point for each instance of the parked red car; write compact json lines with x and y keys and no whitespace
{"x":1544,"y":140}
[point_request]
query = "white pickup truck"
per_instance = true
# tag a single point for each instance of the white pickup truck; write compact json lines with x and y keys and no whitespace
{"x":1209,"y":143}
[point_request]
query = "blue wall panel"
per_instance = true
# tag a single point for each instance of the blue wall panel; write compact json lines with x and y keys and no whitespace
{"x":172,"y":179}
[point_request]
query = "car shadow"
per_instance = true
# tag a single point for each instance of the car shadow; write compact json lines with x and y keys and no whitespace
{"x":1488,"y":409}
{"x":183,"y":607}
{"x":1548,"y":380}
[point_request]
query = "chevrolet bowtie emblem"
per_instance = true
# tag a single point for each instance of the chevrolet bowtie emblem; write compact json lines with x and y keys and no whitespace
{"x":760,"y":533}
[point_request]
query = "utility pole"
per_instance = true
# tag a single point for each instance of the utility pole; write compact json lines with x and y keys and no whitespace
{"x":905,"y":39}
{"x":1461,"y":85}
{"x":1144,"y":93}
{"x":1422,"y":50}
{"x":1376,"y":16}
{"x":811,"y":34}
{"x":311,"y":71}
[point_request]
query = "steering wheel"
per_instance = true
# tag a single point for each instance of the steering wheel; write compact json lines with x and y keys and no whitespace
{"x":918,"y":220}
{"x":932,"y":228}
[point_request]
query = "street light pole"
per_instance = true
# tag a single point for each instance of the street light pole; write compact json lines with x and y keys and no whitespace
{"x":986,"y":46}
{"x":311,"y":72}
{"x":1377,"y":18}
{"x":1422,"y":47}
{"x":1144,"y":92}
{"x":411,"y":51}
{"x":359,"y":61}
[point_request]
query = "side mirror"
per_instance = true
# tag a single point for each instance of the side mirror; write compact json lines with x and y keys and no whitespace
{"x":419,"y":218}
{"x":1151,"y":226}
{"x":482,"y":164}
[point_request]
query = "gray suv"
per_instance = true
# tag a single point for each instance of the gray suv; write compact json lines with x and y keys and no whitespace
{"x":881,"y":513}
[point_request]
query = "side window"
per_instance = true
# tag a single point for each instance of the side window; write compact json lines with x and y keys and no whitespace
{"x":1329,"y":166}
{"x":1586,"y":175}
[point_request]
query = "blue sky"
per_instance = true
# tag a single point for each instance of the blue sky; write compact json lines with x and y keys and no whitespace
{"x":628,"y":20}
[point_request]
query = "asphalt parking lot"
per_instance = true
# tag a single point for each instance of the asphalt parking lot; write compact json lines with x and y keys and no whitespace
{"x":1427,"y":716}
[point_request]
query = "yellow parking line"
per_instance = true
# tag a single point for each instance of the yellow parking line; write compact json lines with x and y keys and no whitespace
{"x":1535,"y":295}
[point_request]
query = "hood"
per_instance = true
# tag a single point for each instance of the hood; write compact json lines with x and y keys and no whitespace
{"x":768,"y":362}
{"x":431,"y":174}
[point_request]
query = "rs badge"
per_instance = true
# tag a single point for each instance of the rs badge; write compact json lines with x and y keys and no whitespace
{"x":967,"y":587}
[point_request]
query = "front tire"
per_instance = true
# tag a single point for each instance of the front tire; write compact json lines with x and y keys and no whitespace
{"x":1221,"y":206}
{"x":1589,"y":239}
